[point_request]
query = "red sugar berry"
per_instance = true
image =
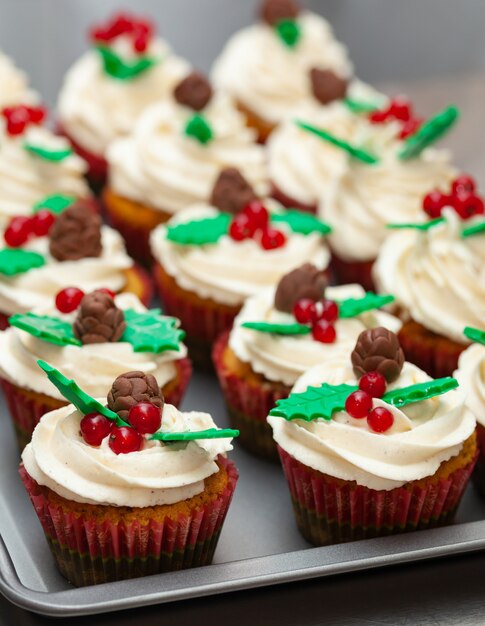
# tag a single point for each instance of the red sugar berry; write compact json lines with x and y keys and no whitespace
{"x":324,"y":331}
{"x":95,"y":427}
{"x":374,"y":383}
{"x":18,"y":231}
{"x":463,"y":184}
{"x":69,"y":299}
{"x":401,"y":109}
{"x":37,"y":114}
{"x":305,"y":311}
{"x":257,"y":214}
{"x":358,"y":404}
{"x":121,"y":24}
{"x":107,"y":291}
{"x":17,"y":120}
{"x":380,"y":419}
{"x":241,"y":228}
{"x":99,"y":34}
{"x":379,"y":117}
{"x":329,"y":310}
{"x":272,"y":238}
{"x":140,"y":43}
{"x":410,"y":127}
{"x":123,"y":440}
{"x":468,"y":205}
{"x":434,"y":202}
{"x":42,"y":222}
{"x":145,"y":417}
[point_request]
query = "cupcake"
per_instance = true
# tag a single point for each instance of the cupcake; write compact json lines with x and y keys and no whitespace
{"x":105,"y":91}
{"x":173,"y":158}
{"x":210,"y":258}
{"x":127,"y":493}
{"x":71,"y":247}
{"x":14,"y":83}
{"x":94,"y":332}
{"x":436,"y":272}
{"x":379,"y":173}
{"x":287,"y":59}
{"x":35,"y":164}
{"x":471,"y":376}
{"x":280,"y":334}
{"x":371,"y":446}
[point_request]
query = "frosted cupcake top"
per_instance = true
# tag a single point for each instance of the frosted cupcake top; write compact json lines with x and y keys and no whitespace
{"x":161,"y":457}
{"x":206,"y":254}
{"x":14,"y":87}
{"x":47,"y":334}
{"x":34,"y":163}
{"x":281,"y":349}
{"x":178,"y":147}
{"x":436,"y":272}
{"x":289,"y":58}
{"x":105,"y":91}
{"x":471,"y":373}
{"x":77,"y":249}
{"x":382,"y":442}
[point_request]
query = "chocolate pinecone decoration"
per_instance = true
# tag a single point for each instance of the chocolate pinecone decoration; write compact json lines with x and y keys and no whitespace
{"x":99,"y":320}
{"x":327,"y":86}
{"x":378,"y":350}
{"x":274,"y":11}
{"x":306,"y":281}
{"x":194,"y":91}
{"x":130,"y":389}
{"x":231,"y":191}
{"x":76,"y":234}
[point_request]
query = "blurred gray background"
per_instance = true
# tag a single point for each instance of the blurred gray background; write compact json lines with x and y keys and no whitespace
{"x":432,"y":49}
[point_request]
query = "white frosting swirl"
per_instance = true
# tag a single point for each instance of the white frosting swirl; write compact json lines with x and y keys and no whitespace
{"x":158,"y":165}
{"x":25,"y":178}
{"x":95,"y":108}
{"x":438,"y":276}
{"x":14,"y":87}
{"x":285,"y":358}
{"x":230,"y":271}
{"x":471,"y":376}
{"x":93,"y":366}
{"x":36,"y":287}
{"x":271,"y":79}
{"x":59,"y":459}
{"x":423,"y":436}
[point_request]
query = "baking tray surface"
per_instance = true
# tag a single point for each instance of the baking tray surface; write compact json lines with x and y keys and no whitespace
{"x":260,"y":544}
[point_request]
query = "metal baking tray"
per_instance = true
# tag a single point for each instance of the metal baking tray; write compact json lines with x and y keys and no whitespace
{"x":259,"y":545}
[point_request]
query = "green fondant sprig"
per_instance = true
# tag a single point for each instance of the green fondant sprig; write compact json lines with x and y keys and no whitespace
{"x":210,"y":433}
{"x":15,"y":261}
{"x":429,"y":132}
{"x":289,"y":31}
{"x":199,"y":128}
{"x":56,"y":203}
{"x":475,"y":334}
{"x":47,"y":154}
{"x":476,"y":229}
{"x":117,"y":68}
{"x":51,"y":329}
{"x":360,"y":106}
{"x":423,"y":226}
{"x":300,"y":222}
{"x":278,"y":329}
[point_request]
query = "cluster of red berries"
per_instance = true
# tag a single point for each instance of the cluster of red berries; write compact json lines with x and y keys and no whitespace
{"x":144,"y":418}
{"x":400,"y":110}
{"x":21,"y":229}
{"x":19,"y":117}
{"x":140,"y":31}
{"x":68,"y":299}
{"x":321,"y":315}
{"x":253,"y":223}
{"x":463,"y":199}
{"x":359,"y":403}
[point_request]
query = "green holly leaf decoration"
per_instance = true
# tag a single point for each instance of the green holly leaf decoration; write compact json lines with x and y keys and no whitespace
{"x":300,"y":222}
{"x":48,"y":155}
{"x":474,"y":334}
{"x":313,"y":403}
{"x":55,"y":204}
{"x":200,"y":232}
{"x":117,"y":68}
{"x":210,"y":433}
{"x":360,"y":107}
{"x":357,"y":153}
{"x":51,"y":329}
{"x":423,"y":226}
{"x":152,"y":332}
{"x":476,"y":229}
{"x":76,"y":396}
{"x":278,"y":329}
{"x":419,"y":392}
{"x":17,"y":261}
{"x":356,"y":306}
{"x":429,"y":132}
{"x":289,"y":31}
{"x":199,"y":128}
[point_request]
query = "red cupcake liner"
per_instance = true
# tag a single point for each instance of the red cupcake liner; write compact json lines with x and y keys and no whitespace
{"x":146,"y":294}
{"x":347,"y":272}
{"x":329,"y":510}
{"x":92,"y":549}
{"x":248,"y":404}
{"x":136,"y":237}
{"x":4,"y":321}
{"x":291,"y":203}
{"x":478,"y":477}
